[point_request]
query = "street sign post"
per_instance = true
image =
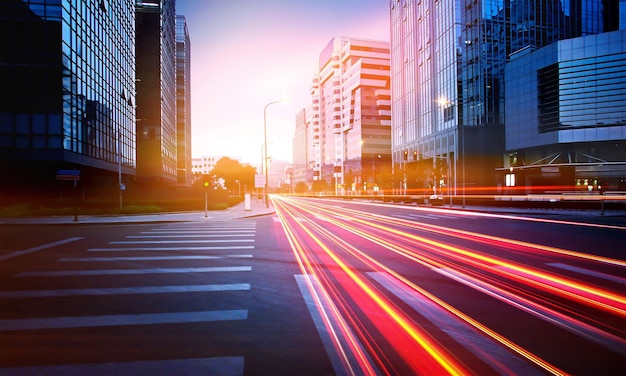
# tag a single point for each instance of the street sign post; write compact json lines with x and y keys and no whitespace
{"x":259,"y":181}
{"x":71,"y":175}
{"x":68,"y":175}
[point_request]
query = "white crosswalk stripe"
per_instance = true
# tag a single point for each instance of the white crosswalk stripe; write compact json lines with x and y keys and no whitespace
{"x":197,"y":366}
{"x":211,"y":245}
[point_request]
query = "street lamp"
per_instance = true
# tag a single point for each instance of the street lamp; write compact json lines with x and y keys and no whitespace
{"x":267,"y":204}
{"x":119,"y":167}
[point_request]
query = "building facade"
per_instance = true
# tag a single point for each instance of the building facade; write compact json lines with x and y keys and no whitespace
{"x":448,"y":80}
{"x":350,"y":114}
{"x":566,"y":115}
{"x":203,"y":165}
{"x":425,"y":60}
{"x":156,"y":92}
{"x":183,"y":102}
{"x":301,"y":145}
{"x":67,"y":95}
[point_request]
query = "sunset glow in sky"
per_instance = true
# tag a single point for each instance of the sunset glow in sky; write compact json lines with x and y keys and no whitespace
{"x":248,"y":53}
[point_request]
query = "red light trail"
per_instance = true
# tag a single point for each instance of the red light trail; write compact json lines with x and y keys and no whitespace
{"x":354,"y":264}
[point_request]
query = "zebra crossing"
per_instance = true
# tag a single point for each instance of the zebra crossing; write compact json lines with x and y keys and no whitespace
{"x":191,"y":252}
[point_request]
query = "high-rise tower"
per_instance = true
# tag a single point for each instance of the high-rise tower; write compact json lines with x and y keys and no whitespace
{"x":448,"y":63}
{"x":156,"y":91}
{"x":67,"y":95}
{"x":183,"y":102}
{"x":351,"y":118}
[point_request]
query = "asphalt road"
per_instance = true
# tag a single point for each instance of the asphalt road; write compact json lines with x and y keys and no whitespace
{"x":321,"y":287}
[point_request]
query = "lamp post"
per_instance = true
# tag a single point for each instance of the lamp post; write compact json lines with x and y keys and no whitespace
{"x":120,"y":186}
{"x":267,"y":204}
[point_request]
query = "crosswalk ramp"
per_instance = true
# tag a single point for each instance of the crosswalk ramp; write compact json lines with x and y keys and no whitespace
{"x":135,"y":270}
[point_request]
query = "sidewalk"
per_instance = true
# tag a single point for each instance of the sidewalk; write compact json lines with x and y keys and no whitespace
{"x":237,"y":211}
{"x":257,"y":208}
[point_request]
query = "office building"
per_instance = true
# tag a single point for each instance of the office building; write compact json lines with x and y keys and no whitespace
{"x":156,"y":92}
{"x":448,"y":80}
{"x":67,"y":96}
{"x":203,"y":165}
{"x":566,"y":115}
{"x":350,"y":114}
{"x":183,"y":102}
{"x":301,"y":146}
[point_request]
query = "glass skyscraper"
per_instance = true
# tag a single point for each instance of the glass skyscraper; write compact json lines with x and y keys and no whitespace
{"x":449,"y":59}
{"x":156,"y":91}
{"x":183,"y":101}
{"x":566,"y":114}
{"x":68,"y":93}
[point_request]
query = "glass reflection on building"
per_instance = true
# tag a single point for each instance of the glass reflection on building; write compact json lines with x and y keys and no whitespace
{"x":68,"y":85}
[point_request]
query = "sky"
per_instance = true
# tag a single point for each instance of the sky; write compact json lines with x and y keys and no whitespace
{"x":248,"y":53}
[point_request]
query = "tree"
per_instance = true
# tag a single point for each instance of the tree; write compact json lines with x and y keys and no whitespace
{"x":300,"y":187}
{"x":384,"y":178}
{"x":230,"y":171}
{"x":320,"y":186}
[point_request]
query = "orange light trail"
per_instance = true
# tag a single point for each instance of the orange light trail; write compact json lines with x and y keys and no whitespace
{"x":438,"y":360}
{"x":601,"y":298}
{"x":315,"y":245}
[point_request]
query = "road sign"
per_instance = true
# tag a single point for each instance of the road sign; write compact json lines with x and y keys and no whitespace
{"x":68,"y":175}
{"x":259,"y":181}
{"x":68,"y":172}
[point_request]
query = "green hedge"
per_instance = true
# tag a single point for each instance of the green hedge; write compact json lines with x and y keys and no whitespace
{"x":62,"y":207}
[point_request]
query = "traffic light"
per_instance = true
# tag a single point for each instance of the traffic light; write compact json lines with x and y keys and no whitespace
{"x":406,"y":155}
{"x":206,"y":184}
{"x":415,"y":155}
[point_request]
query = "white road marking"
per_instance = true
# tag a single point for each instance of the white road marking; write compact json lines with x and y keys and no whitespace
{"x":203,"y":228}
{"x":501,"y":358}
{"x":38,"y":248}
{"x":171,"y":248}
{"x":588,"y":272}
{"x":150,"y":258}
{"x":170,"y":231}
{"x":65,"y":273}
{"x":125,"y":290}
{"x":608,"y":340}
{"x":344,"y":356}
{"x":121,"y":320}
{"x":157,"y":236}
{"x":218,"y":366}
{"x":181,"y":241}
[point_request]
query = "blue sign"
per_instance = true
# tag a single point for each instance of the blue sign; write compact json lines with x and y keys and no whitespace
{"x":68,"y":172}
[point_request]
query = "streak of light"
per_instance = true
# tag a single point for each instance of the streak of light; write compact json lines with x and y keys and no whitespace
{"x":424,"y":355}
{"x":504,"y":242}
{"x":603,"y":338}
{"x":345,"y":342}
{"x":584,"y":293}
{"x":404,"y":251}
{"x":488,"y":215}
{"x":465,"y":264}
